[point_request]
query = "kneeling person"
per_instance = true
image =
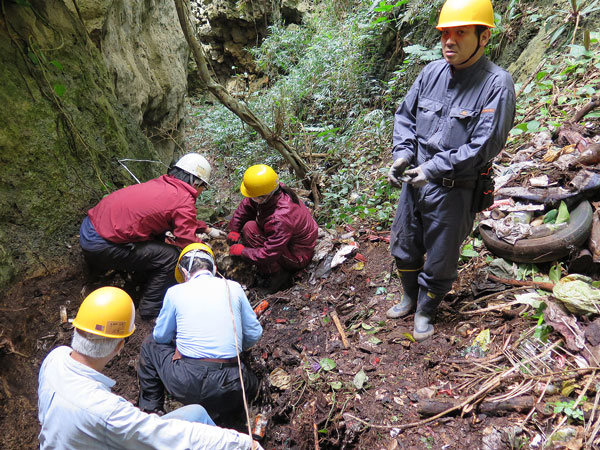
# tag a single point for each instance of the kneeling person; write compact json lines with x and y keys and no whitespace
{"x":192,"y":352}
{"x":278,"y":230}
{"x":78,"y":410}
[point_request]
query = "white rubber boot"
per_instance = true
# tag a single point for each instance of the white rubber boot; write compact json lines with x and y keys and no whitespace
{"x":423,"y":327}
{"x":408,"y":303}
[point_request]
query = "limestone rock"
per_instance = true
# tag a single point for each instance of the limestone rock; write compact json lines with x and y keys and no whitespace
{"x":146,"y":54}
{"x":62,"y":133}
{"x":228,"y":29}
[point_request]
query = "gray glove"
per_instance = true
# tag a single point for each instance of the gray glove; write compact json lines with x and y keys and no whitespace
{"x":216,"y":234}
{"x":396,"y":171}
{"x":417,"y":177}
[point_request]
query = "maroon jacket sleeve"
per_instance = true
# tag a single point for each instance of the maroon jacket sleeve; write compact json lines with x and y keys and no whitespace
{"x":245,"y":211}
{"x":185,"y":225}
{"x":279,"y":228}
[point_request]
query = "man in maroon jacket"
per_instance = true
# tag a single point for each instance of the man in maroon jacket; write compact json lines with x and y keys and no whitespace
{"x":279,"y":231}
{"x":126,"y":230}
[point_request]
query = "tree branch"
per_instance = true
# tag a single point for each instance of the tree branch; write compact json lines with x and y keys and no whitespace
{"x":241,"y":110}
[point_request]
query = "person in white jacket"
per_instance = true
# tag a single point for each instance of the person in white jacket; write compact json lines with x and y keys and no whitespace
{"x":78,"y":410}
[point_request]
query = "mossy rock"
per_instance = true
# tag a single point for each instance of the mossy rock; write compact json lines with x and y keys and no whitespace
{"x":61,"y":138}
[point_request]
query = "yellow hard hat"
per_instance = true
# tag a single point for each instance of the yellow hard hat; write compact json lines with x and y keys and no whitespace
{"x":457,"y":13}
{"x":259,"y":180}
{"x":195,"y":246}
{"x":107,"y":312}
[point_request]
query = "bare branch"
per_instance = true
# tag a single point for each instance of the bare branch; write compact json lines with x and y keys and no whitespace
{"x":241,"y":110}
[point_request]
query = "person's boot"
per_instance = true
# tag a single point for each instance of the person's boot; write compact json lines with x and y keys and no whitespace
{"x":408,"y":303}
{"x":427,"y":305}
{"x":279,"y":281}
{"x":423,"y":327}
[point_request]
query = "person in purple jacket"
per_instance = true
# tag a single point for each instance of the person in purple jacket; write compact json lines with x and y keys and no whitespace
{"x":278,"y":231}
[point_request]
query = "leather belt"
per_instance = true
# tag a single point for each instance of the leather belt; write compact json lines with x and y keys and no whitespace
{"x":450,"y":183}
{"x":217,"y":360}
{"x":215,"y":363}
{"x":177,"y":355}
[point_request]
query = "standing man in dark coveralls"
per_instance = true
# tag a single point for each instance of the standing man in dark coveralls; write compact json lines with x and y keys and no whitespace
{"x":453,"y":121}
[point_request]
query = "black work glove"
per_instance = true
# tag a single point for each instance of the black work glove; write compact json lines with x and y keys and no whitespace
{"x":417,"y":177}
{"x":396,"y":171}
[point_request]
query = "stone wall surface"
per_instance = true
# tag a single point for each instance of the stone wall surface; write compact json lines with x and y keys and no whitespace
{"x":76,"y":101}
{"x":146,"y":55}
{"x":227,"y":29}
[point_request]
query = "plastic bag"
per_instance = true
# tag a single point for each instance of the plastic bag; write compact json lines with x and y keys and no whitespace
{"x":578,"y":294}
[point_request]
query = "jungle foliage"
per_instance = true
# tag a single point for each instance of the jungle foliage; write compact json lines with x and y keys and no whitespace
{"x":336,"y":80}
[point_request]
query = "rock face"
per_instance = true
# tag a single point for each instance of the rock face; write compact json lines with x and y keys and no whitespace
{"x":75,"y":102}
{"x":228,"y":28}
{"x":146,"y":56}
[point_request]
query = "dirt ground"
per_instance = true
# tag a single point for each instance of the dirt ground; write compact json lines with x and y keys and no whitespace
{"x":374,"y":388}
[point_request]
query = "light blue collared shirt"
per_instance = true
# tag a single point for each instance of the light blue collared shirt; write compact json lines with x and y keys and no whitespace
{"x":197,"y":314}
{"x":77,"y":410}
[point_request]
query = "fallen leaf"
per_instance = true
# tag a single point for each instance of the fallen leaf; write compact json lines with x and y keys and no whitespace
{"x":360,"y":379}
{"x":327,"y":364}
{"x":280,"y":379}
{"x":360,"y":257}
{"x":409,"y":337}
{"x":358,"y":266}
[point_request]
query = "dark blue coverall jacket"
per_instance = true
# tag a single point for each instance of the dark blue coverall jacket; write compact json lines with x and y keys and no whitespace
{"x":451,"y":123}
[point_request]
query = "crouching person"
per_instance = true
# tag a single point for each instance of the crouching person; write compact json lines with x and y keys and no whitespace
{"x":192,"y":352}
{"x":78,"y":410}
{"x":278,"y":230}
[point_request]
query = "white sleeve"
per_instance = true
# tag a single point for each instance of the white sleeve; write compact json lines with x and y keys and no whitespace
{"x":128,"y":427}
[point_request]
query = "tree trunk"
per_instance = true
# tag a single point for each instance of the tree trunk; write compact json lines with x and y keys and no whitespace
{"x":238,"y":108}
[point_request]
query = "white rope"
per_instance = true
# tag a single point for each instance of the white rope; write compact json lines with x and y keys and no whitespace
{"x":237,"y":351}
{"x":137,"y":160}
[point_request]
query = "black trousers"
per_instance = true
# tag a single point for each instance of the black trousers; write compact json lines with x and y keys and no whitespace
{"x":216,"y":386}
{"x":154,"y":260}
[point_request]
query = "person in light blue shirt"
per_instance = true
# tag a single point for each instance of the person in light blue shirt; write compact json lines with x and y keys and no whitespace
{"x":205,"y":322}
{"x":77,"y":409}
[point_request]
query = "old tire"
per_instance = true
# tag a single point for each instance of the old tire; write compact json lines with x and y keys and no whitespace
{"x":548,"y":248}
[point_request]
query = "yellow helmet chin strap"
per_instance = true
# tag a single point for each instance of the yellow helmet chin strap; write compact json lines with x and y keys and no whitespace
{"x":479,"y":32}
{"x":196,"y":253}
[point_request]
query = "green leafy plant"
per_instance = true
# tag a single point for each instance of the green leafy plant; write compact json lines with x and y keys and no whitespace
{"x":540,"y":107}
{"x":327,"y":364}
{"x":424,"y":54}
{"x":347,"y":200}
{"x":569,"y":409}
{"x":569,"y":21}
{"x":525,"y":270}
{"x":386,"y":8}
{"x":336,"y":385}
{"x":542,"y":329}
{"x":555,"y":273}
{"x":468,"y":251}
{"x":515,"y":438}
{"x":428,"y":441}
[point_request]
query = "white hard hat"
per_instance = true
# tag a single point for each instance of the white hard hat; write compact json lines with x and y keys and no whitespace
{"x":195,"y":164}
